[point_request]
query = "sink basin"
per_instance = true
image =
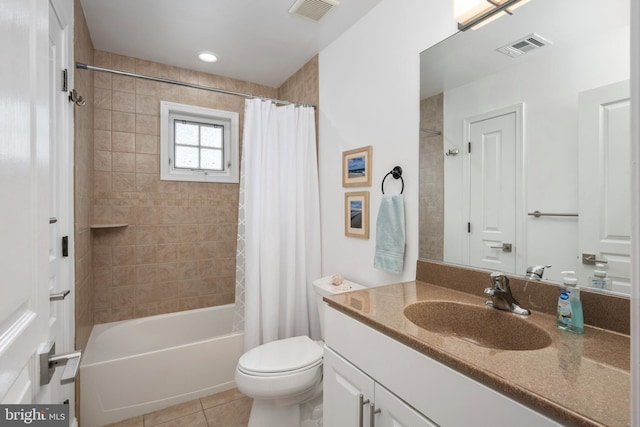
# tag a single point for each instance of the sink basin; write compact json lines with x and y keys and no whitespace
{"x":483,"y":326}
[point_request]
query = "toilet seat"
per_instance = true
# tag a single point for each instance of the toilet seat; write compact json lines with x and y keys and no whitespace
{"x":282,"y":357}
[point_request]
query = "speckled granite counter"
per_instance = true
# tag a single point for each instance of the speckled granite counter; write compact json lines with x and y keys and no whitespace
{"x":578,"y":379}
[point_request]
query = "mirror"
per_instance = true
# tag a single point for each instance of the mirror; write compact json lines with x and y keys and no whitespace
{"x":542,"y":99}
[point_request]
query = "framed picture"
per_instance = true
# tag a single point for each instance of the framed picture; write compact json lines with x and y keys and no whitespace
{"x":356,"y":167}
{"x":356,"y":214}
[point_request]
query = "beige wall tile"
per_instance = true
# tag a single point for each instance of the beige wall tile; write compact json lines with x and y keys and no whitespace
{"x":147,"y":125}
{"x":123,"y":142}
{"x":102,"y":80}
{"x":146,"y":182}
{"x":102,"y":140}
{"x":124,"y":84}
{"x":147,"y":104}
{"x":123,"y":122}
{"x":123,"y":101}
{"x":147,"y":254}
{"x":123,"y":63}
{"x":167,"y":253}
{"x":102,"y":119}
{"x":124,"y":312}
{"x":124,"y":275}
{"x":102,"y":98}
{"x":147,"y":163}
{"x":123,"y":255}
{"x":102,"y":256}
{"x":147,"y":144}
{"x":123,"y":162}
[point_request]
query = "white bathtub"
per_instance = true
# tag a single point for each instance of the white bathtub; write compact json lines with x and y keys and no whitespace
{"x":137,"y":366}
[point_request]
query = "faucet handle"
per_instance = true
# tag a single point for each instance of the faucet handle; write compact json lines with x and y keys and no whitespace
{"x":536,"y":272}
{"x":500,"y":281}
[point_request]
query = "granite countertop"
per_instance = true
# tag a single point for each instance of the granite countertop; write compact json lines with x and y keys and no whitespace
{"x":577,"y":379}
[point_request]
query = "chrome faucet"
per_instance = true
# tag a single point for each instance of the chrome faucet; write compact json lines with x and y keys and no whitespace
{"x":501,"y":297}
{"x":535,"y":273}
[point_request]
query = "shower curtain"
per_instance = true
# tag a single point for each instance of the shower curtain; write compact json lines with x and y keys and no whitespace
{"x":278,"y":253}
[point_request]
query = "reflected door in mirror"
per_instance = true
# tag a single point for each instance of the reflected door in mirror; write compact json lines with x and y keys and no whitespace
{"x":604,"y":169}
{"x":492,"y":159}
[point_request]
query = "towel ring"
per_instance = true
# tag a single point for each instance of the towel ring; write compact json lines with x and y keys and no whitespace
{"x":396,"y":172}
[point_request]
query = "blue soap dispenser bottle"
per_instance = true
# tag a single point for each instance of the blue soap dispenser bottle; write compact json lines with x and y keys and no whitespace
{"x":569,"y":314}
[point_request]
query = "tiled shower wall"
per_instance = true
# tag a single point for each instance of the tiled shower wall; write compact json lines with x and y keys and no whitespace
{"x":431,"y":203}
{"x":83,"y":179}
{"x":178,"y":250}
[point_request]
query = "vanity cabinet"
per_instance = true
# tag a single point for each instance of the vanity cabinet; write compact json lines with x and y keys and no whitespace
{"x":352,"y":398}
{"x":408,"y":387}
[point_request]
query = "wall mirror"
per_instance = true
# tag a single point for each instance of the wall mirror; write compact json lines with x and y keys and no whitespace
{"x":524,"y":143}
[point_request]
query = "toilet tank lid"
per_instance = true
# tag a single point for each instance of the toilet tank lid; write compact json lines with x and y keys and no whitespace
{"x":325,"y":288}
{"x":281,"y":356}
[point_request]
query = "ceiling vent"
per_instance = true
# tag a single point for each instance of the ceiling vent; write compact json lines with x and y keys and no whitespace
{"x":524,"y":45}
{"x":313,"y":9}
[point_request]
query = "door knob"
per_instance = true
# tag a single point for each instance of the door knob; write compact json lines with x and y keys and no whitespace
{"x":59,"y":296}
{"x":506,"y":247}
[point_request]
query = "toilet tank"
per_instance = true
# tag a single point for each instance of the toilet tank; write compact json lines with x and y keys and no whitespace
{"x":323,"y":288}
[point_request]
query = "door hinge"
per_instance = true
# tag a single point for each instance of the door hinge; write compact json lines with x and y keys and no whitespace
{"x":65,"y":80}
{"x":65,"y":246}
{"x":468,"y":227}
{"x":469,"y":147}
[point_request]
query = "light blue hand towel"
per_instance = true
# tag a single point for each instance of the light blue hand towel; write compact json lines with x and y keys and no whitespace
{"x":390,"y":234}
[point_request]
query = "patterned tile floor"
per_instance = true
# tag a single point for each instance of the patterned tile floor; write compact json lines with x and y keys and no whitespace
{"x":227,"y":409}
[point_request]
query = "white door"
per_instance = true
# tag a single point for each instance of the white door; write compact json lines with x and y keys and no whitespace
{"x":61,"y":322}
{"x":24,"y":217}
{"x":30,"y":265}
{"x":492,"y":193}
{"x":342,"y":387}
{"x":605,"y":181}
{"x":393,"y":412}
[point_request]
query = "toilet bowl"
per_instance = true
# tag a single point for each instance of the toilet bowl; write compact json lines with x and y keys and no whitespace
{"x":282,"y":375}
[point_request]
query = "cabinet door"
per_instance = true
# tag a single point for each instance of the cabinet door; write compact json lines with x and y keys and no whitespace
{"x":343,"y":385}
{"x":395,"y":413}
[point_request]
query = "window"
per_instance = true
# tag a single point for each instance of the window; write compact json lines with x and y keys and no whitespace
{"x":198,"y":144}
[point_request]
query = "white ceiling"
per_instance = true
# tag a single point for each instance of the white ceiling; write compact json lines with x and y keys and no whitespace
{"x":256,"y":40}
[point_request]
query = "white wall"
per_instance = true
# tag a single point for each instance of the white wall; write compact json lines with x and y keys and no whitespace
{"x":550,"y":157}
{"x":369,"y":95}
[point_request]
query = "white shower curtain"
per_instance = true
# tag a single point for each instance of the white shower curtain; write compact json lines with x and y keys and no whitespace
{"x":278,"y":224}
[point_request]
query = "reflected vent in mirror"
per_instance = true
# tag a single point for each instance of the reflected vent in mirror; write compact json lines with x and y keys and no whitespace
{"x":313,"y":9}
{"x":524,"y":45}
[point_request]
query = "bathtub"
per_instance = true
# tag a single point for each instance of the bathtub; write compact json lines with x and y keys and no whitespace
{"x":138,"y":366}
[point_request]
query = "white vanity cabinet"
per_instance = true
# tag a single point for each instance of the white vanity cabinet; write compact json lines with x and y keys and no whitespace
{"x":408,"y":387}
{"x":352,"y":398}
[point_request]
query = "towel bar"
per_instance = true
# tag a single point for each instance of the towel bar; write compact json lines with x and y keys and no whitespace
{"x":396,"y":172}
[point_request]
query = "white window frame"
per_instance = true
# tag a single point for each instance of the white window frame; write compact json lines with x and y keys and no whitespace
{"x":170,"y":111}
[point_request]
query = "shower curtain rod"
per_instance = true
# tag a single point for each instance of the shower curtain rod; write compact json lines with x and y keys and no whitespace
{"x":82,"y":66}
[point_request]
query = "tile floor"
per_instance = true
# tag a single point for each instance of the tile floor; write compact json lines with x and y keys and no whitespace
{"x":227,"y":409}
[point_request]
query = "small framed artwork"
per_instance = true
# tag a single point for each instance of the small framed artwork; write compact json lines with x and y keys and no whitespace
{"x":356,"y":167}
{"x":356,"y":214}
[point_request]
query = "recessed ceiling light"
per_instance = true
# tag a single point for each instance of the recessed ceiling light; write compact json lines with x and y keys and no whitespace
{"x":205,"y":56}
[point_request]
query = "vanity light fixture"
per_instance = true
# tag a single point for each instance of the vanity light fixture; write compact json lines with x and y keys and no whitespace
{"x":205,"y":56}
{"x":476,"y":13}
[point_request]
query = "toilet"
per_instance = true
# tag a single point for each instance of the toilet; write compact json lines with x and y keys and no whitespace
{"x":282,"y":375}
